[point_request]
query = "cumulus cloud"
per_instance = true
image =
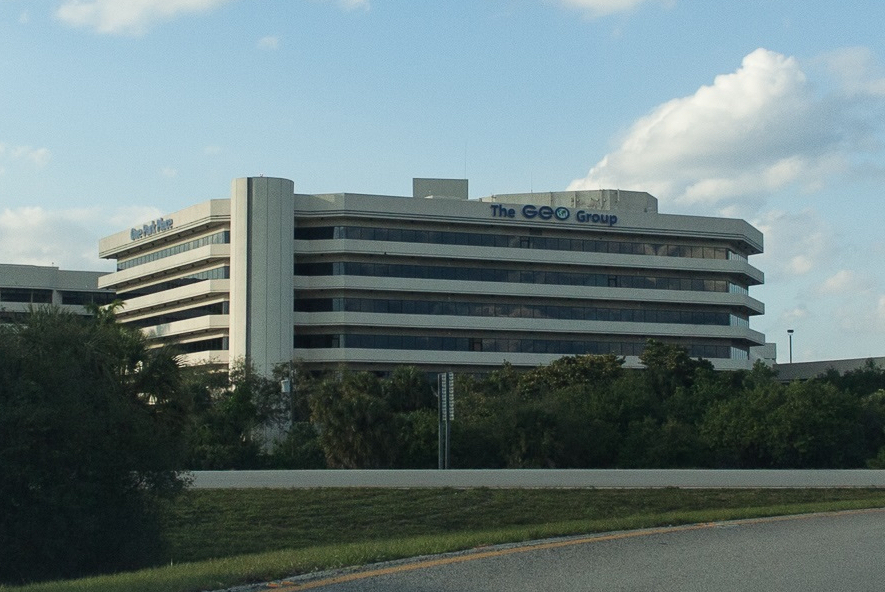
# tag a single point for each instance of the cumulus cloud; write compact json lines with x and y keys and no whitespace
{"x":38,"y":157}
{"x":751,"y":132}
{"x":795,"y":243}
{"x":598,"y":8}
{"x":66,"y":238}
{"x":354,"y":4}
{"x":856,"y":70}
{"x":269,"y":42}
{"x":129,"y":17}
{"x":844,"y":280}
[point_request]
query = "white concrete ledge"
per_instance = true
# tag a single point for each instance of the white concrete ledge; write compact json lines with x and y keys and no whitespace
{"x":603,"y":478}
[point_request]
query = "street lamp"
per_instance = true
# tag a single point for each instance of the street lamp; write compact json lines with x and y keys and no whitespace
{"x":790,"y":334}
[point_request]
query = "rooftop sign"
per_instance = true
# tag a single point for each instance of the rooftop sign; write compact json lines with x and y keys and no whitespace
{"x":153,"y":227}
{"x":559,"y":213}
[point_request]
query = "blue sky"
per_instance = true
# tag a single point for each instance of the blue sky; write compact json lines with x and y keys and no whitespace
{"x":113,"y":112}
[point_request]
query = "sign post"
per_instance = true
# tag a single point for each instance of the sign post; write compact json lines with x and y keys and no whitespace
{"x":445,"y":388}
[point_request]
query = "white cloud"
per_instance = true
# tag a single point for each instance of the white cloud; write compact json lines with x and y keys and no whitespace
{"x":38,"y":157}
{"x":856,"y":70}
{"x":750,"y":133}
{"x":598,"y":8}
{"x":169,"y":172}
{"x":66,"y":238}
{"x":128,"y":17}
{"x":269,"y":42}
{"x":840,"y":282}
{"x":354,"y":4}
{"x":795,"y":243}
{"x":880,"y":310}
{"x":348,"y":4}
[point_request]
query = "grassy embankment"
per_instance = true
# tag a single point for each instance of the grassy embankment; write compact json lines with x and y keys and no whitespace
{"x":222,"y":538}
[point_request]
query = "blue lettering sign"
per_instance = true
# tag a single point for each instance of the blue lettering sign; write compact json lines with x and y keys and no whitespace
{"x":499,"y":211}
{"x":155,"y":226}
{"x":560,"y":213}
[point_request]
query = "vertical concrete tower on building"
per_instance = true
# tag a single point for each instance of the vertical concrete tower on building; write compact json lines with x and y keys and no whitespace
{"x":261,"y":270}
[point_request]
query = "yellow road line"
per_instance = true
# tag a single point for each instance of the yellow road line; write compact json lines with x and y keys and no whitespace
{"x":474,"y":556}
{"x":362,"y":575}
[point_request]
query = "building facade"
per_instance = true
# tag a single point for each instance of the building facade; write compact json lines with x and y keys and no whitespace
{"x":25,"y":286}
{"x":436,"y":280}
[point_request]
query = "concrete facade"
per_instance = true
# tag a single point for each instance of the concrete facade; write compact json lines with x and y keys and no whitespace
{"x":436,"y":280}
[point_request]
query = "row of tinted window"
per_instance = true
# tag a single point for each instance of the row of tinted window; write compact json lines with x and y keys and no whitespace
{"x":216,"y":308}
{"x":31,"y":295}
{"x":214,"y":344}
{"x":485,"y":274}
{"x":43,"y":296}
{"x":218,"y":273}
{"x":473,"y":239}
{"x":219,"y":238}
{"x":508,"y":310}
{"x":495,"y":344}
{"x":83,"y":298}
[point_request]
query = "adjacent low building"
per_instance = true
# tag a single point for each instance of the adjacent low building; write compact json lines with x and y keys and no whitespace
{"x":23,"y":287}
{"x":435,"y":279}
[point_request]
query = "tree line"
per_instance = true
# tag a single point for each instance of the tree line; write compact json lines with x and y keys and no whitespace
{"x":97,"y":428}
{"x":577,"y":412}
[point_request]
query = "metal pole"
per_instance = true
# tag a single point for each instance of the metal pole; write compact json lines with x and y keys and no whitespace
{"x":790,"y":334}
{"x":448,"y":439}
{"x":291,"y":397}
{"x":442,"y":433}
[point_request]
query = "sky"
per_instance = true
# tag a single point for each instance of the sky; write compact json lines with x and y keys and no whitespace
{"x":115,"y":112}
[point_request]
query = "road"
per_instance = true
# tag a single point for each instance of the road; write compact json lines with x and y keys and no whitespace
{"x":816,"y":553}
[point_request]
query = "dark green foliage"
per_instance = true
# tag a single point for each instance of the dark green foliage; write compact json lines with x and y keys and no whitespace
{"x":239,"y":413}
{"x":355,"y":421}
{"x":90,"y":437}
{"x":577,"y":412}
{"x":801,"y":425}
{"x":298,"y":449}
{"x":363,"y":421}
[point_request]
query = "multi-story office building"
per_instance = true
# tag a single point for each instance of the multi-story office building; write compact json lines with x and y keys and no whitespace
{"x":436,"y":280}
{"x":25,"y":286}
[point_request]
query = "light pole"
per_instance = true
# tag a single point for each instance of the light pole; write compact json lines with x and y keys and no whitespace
{"x":790,"y":334}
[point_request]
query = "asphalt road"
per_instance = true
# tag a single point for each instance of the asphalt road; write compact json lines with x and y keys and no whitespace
{"x":817,"y":553}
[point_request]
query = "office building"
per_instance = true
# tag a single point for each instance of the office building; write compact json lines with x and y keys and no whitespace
{"x":23,"y":287}
{"x":435,"y":279}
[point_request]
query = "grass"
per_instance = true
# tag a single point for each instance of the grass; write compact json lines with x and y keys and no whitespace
{"x":221,"y":538}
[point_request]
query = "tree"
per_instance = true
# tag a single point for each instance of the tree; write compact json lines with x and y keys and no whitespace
{"x":354,"y":420}
{"x":243,"y":415}
{"x":91,"y":436}
{"x":669,"y":367}
{"x":571,"y":371}
{"x":818,"y":426}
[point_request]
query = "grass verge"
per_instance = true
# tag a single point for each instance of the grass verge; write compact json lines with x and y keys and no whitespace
{"x":223,"y":538}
